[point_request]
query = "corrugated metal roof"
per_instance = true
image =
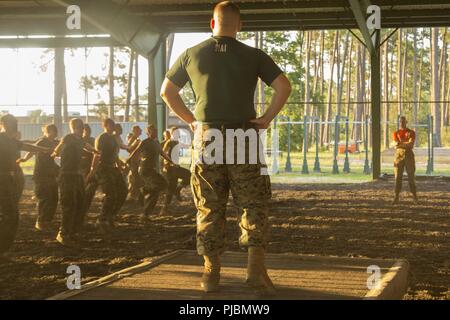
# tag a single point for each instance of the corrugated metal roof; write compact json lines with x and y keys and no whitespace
{"x":194,"y":15}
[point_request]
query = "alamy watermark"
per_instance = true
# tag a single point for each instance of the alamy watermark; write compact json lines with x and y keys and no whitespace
{"x":230,"y":146}
{"x":74,"y":279}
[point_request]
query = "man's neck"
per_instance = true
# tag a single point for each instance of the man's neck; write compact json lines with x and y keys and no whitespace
{"x":225,"y":34}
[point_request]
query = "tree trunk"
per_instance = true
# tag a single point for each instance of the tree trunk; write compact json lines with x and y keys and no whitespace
{"x":58,"y":88}
{"x":262,"y":94}
{"x":137,"y":115}
{"x":326,"y":133}
{"x":399,"y":72}
{"x":404,"y":69}
{"x":349,"y":79}
{"x":386,"y":95}
{"x":341,"y":81}
{"x":65,"y":105}
{"x":442,"y":78}
{"x":415,"y":111}
{"x":129,"y":86}
{"x":360,"y":91}
{"x":435,"y":87}
{"x":111,"y":83}
{"x":307,"y":111}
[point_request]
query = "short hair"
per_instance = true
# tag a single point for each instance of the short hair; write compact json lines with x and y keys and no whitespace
{"x":9,"y":122}
{"x":225,"y":10}
{"x":51,"y":128}
{"x":108,"y":121}
{"x":87,"y":127}
{"x":228,"y":7}
{"x":76,"y":123}
{"x":135,"y":127}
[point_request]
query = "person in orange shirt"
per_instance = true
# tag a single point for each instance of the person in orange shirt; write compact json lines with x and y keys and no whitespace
{"x":404,"y":139}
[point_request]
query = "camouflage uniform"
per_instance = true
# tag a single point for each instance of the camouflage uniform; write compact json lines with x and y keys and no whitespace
{"x":174,"y":173}
{"x":71,"y":185}
{"x":109,"y":178}
{"x":9,"y":191}
{"x":45,"y":182}
{"x":251,"y":191}
{"x":223,"y":73}
{"x":134,"y":179}
{"x":404,"y":159}
{"x":153,"y":182}
{"x":9,"y":211}
{"x":112,"y":184}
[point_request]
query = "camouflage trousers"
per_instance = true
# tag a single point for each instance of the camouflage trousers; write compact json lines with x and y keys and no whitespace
{"x":9,"y":211}
{"x":20,"y":182}
{"x":251,"y":192}
{"x":112,"y":184}
{"x":174,"y":174}
{"x":404,"y":159}
{"x":72,"y":195}
{"x":153,"y":184}
{"x":46,"y":191}
{"x":134,"y":182}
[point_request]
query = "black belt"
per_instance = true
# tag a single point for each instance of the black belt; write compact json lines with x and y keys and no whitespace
{"x":224,"y":126}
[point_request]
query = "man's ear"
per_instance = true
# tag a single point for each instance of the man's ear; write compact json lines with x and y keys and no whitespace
{"x":212,"y":23}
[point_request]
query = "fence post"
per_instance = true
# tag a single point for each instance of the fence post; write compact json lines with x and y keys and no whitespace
{"x":288,"y":167}
{"x":366,"y":146}
{"x":346,"y":162}
{"x":317,"y":161}
{"x":429,"y":139}
{"x":305,"y":145}
{"x":275,"y":147}
{"x":336,"y":145}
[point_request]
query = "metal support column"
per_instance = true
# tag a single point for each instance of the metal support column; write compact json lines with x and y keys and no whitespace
{"x":305,"y":169}
{"x":346,"y":162}
{"x":58,"y":89}
{"x":156,"y":72}
{"x":316,"y":160}
{"x":336,"y":145}
{"x":375,"y":92}
{"x":160,"y":72}
{"x":288,"y":167}
{"x":366,"y":146}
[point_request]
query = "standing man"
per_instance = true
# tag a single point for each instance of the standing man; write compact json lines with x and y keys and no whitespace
{"x":404,"y":139}
{"x":86,"y":159}
{"x":71,"y":182}
{"x":10,"y":147}
{"x":173,"y":172}
{"x":105,"y":172}
{"x":153,"y":182}
{"x":223,"y":74}
{"x":134,"y":180}
{"x":45,"y":178}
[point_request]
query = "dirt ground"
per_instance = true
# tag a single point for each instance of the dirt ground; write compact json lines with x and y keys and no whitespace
{"x":322,"y":219}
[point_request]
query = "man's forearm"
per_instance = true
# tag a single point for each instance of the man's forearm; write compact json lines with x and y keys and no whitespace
{"x":176,"y":104}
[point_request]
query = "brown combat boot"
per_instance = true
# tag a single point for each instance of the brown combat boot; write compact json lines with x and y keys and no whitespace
{"x":211,"y":274}
{"x":257,"y":277}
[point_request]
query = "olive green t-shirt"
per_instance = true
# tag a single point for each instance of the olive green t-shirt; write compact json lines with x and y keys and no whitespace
{"x":223,"y":73}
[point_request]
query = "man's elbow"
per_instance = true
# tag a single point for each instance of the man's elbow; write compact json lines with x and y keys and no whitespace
{"x":288,"y":87}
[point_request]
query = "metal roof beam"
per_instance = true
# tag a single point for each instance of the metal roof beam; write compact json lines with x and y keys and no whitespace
{"x":359,"y":11}
{"x":116,"y":20}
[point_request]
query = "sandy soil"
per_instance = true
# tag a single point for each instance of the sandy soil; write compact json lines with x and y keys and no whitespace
{"x":323,"y":219}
